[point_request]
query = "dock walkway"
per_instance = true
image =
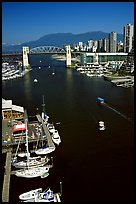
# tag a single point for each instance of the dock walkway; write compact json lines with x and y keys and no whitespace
{"x":6,"y":182}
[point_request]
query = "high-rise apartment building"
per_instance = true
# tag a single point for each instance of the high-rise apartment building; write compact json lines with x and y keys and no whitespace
{"x":113,"y":42}
{"x":106,"y":45}
{"x":128,"y":37}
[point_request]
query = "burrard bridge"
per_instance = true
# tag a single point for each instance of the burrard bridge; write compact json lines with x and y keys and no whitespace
{"x":43,"y":50}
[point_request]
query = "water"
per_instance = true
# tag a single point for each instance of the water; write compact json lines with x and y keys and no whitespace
{"x":92,"y":165}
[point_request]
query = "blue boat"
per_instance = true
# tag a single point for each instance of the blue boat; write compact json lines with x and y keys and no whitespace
{"x":100,"y":100}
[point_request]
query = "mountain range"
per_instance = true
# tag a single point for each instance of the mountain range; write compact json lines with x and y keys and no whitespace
{"x":61,"y":39}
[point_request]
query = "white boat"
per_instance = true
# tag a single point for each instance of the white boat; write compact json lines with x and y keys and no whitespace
{"x":51,"y":128}
{"x":30,"y":194}
{"x":56,"y":137}
{"x":23,"y":154}
{"x":101,"y":125}
{"x":45,"y":150}
{"x":38,"y":196}
{"x":32,"y":172}
{"x":33,"y":162}
{"x":35,"y":80}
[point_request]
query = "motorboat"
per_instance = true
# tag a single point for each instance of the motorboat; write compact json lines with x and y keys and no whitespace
{"x":101,"y":125}
{"x":56,"y":137}
{"x":35,"y":80}
{"x":32,"y":172}
{"x":45,"y":150}
{"x":38,"y":196}
{"x":30,"y":194}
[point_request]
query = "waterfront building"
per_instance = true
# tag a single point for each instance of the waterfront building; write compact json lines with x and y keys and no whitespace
{"x":113,"y":42}
{"x":106,"y":45}
{"x":100,"y":45}
{"x":10,"y":111}
{"x":120,"y":46}
{"x":128,"y":37}
{"x":102,"y":58}
{"x":90,"y":44}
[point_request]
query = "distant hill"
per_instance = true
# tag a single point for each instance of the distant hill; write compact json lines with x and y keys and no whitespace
{"x":61,"y":39}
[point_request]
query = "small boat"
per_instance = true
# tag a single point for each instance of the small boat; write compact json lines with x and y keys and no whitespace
{"x":32,"y":172}
{"x":23,"y":154}
{"x":56,"y":137}
{"x":101,"y":125}
{"x":45,"y":150}
{"x":35,"y":80}
{"x":100,"y":100}
{"x":38,"y":196}
{"x":30,"y":194}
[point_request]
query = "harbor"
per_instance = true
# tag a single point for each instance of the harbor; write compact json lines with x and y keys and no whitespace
{"x":10,"y":146}
{"x":70,"y":98}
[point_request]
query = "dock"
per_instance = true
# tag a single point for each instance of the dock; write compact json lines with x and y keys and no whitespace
{"x":6,"y":182}
{"x":49,"y":140}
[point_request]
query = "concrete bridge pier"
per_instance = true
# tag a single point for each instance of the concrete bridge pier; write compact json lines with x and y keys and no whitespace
{"x":26,"y":64}
{"x":68,"y":56}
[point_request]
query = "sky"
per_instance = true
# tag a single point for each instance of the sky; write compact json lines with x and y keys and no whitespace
{"x":28,"y":21}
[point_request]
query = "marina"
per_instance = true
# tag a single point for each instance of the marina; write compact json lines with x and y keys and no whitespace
{"x":31,"y":172}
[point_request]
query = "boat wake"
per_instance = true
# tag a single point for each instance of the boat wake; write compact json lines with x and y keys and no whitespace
{"x":119,"y":113}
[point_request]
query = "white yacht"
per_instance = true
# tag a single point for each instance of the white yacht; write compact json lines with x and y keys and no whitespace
{"x":56,"y":137}
{"x":101,"y":125}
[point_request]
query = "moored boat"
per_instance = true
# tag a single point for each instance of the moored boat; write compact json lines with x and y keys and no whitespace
{"x":45,"y":150}
{"x":56,"y":137}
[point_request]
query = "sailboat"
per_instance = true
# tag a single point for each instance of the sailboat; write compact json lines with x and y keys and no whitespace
{"x":33,"y":162}
{"x":44,"y":115}
{"x":33,"y":171}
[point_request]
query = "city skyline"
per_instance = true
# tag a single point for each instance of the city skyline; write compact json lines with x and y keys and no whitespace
{"x":43,"y":18}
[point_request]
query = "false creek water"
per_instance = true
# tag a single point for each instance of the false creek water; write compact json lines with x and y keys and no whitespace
{"x":92,"y":165}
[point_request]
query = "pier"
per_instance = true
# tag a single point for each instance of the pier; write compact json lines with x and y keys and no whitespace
{"x":6,"y":182}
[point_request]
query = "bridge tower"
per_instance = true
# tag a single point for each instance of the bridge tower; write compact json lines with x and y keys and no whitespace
{"x":68,"y":55}
{"x":25,"y":58}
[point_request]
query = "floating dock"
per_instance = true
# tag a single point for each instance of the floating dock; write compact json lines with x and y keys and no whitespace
{"x":6,"y":182}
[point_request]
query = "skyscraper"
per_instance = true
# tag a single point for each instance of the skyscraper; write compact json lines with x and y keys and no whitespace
{"x":128,"y":37}
{"x":113,"y":42}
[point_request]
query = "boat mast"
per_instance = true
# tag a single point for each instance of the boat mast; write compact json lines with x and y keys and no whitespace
{"x":43,"y":105}
{"x":27,"y":144}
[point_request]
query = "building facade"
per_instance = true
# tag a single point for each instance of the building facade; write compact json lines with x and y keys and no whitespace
{"x":113,"y":42}
{"x":128,"y":37}
{"x":10,"y":111}
{"x":102,"y":58}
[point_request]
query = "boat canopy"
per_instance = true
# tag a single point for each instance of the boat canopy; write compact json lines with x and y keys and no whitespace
{"x":19,"y":126}
{"x":99,"y":99}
